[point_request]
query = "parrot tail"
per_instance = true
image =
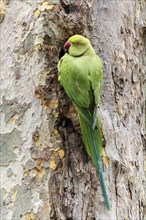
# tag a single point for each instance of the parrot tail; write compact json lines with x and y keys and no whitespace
{"x":93,"y":143}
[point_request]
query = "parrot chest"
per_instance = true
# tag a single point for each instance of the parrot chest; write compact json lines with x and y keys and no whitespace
{"x":77,"y":72}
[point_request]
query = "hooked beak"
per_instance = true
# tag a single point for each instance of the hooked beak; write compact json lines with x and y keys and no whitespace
{"x":67,"y":45}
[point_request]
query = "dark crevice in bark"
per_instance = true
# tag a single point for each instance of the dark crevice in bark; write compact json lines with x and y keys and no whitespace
{"x":117,"y":170}
{"x":62,"y":52}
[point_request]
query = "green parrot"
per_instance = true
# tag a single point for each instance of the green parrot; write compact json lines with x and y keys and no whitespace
{"x":80,"y":74}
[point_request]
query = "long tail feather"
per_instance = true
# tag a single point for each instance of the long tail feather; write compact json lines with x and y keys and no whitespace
{"x":93,"y":144}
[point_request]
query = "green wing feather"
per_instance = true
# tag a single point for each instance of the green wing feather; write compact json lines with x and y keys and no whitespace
{"x":70,"y":79}
{"x":81,"y":80}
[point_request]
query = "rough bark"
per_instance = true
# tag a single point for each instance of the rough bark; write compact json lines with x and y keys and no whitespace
{"x":45,"y":171}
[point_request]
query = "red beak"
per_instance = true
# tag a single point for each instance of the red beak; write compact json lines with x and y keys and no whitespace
{"x":67,"y":45}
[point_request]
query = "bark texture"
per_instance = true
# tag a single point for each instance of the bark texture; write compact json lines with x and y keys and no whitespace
{"x":45,"y":171}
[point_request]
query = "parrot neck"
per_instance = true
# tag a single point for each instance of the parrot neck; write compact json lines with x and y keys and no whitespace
{"x":90,"y":51}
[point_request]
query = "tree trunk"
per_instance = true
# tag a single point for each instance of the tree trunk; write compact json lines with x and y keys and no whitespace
{"x":45,"y":171}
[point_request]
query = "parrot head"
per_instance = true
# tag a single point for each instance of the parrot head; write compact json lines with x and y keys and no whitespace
{"x":77,"y":45}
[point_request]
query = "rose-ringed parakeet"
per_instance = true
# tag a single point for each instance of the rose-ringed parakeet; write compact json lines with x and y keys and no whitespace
{"x":80,"y":74}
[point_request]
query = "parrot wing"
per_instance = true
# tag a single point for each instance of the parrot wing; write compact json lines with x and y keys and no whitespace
{"x":78,"y":81}
{"x":76,"y":85}
{"x":96,"y":78}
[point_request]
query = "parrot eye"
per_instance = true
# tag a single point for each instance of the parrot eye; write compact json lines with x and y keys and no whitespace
{"x":77,"y":43}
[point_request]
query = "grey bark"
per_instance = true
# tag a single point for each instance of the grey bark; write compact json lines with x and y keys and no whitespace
{"x":45,"y":171}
